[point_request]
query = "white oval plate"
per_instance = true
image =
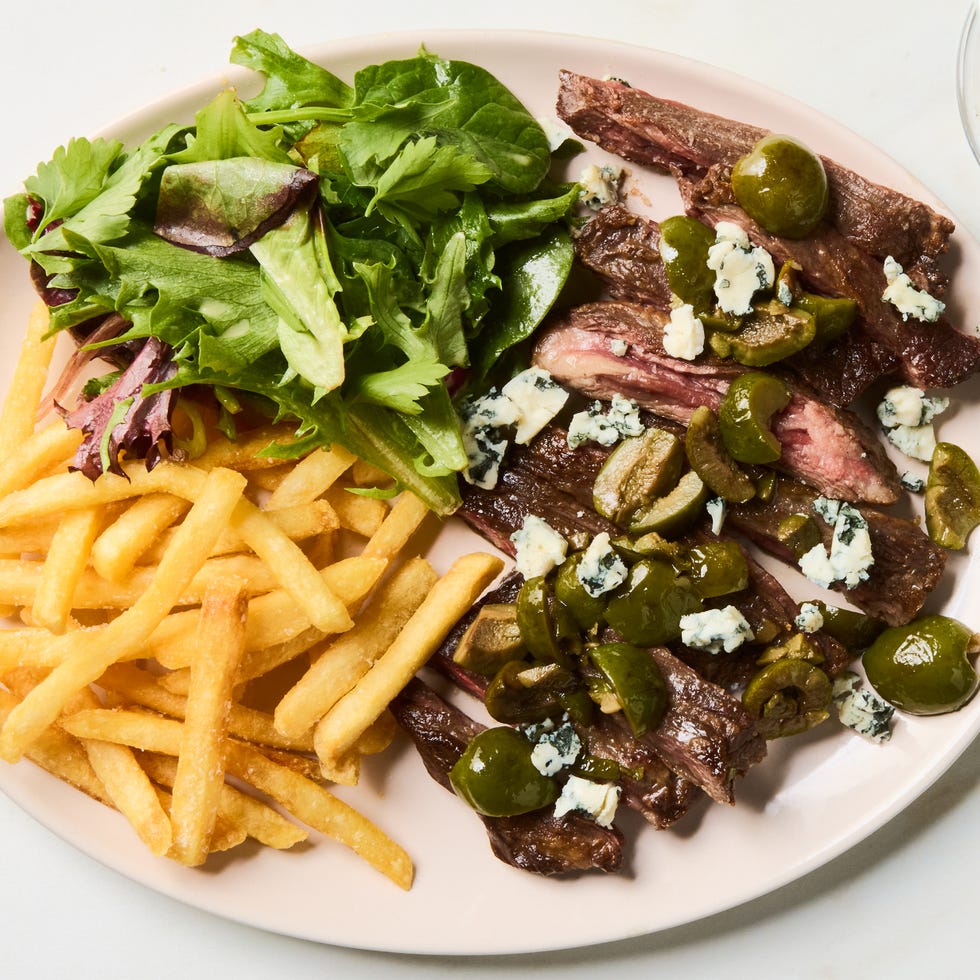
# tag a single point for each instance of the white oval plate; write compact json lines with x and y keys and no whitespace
{"x":807,"y":803}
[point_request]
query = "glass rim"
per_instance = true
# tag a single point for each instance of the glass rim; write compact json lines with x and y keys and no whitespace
{"x":969,"y":113}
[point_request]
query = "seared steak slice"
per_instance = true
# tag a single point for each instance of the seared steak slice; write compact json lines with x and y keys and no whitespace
{"x":623,"y":249}
{"x":907,"y":564}
{"x":706,"y":735}
{"x":536,"y":841}
{"x":827,"y":447}
{"x":929,"y":354}
{"x":657,"y":132}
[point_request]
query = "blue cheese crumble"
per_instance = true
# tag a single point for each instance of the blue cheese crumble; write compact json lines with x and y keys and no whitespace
{"x":861,"y":709}
{"x":717,"y":510}
{"x":538,"y":399}
{"x":520,"y":410}
{"x":912,"y":483}
{"x":907,"y":416}
{"x":850,"y":554}
{"x":740,"y":268}
{"x":601,"y":569}
{"x":715,"y":630}
{"x":809,"y":619}
{"x":606,"y":426}
{"x":600,"y":185}
{"x":554,"y":748}
{"x":683,"y":333}
{"x":908,"y":300}
{"x":619,"y":346}
{"x":540,"y":548}
{"x":596,"y":800}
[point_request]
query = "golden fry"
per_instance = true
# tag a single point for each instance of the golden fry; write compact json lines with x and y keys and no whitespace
{"x":121,"y":545}
{"x":63,"y":567}
{"x":448,"y":599}
{"x":311,"y":476}
{"x":200,"y":775}
{"x":401,"y":522}
{"x":346,"y":659}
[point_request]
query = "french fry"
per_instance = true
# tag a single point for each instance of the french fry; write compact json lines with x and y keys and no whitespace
{"x":321,"y":810}
{"x":365,"y":474}
{"x":127,"y":633}
{"x":273,"y":618}
{"x":245,"y":454}
{"x":448,"y":599}
{"x":394,"y":532}
{"x":257,"y":819}
{"x":362,"y":515}
{"x":347,"y":658}
{"x":311,"y":476}
{"x":121,"y":545}
{"x":63,"y":567}
{"x":200,"y":775}
{"x":20,"y":405}
{"x":36,"y":455}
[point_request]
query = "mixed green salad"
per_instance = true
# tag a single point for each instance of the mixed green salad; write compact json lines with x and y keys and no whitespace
{"x":343,"y":255}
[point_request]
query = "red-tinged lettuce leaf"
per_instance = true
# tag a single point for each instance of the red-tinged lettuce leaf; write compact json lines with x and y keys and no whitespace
{"x":221,"y":207}
{"x":139,"y":429}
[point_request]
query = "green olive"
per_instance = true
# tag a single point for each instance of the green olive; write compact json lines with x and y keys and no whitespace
{"x":832,"y":316}
{"x":586,"y":609}
{"x":857,"y":631}
{"x":684,"y":244}
{"x":800,"y":533}
{"x":638,"y":470}
{"x":534,"y":619}
{"x":648,"y":606}
{"x":520,"y":694}
{"x":772,"y":333}
{"x":923,"y":667}
{"x":716,"y":568}
{"x":636,"y":681}
{"x":788,"y":697}
{"x":496,"y":777}
{"x":674,"y":513}
{"x":709,"y":458}
{"x":796,"y":647}
{"x":782,"y":185}
{"x":745,"y":413}
{"x":952,"y":496}
{"x":491,"y":640}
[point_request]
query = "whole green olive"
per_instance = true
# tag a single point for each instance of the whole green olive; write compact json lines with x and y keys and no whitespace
{"x":782,"y":185}
{"x":923,"y":667}
{"x":496,"y":777}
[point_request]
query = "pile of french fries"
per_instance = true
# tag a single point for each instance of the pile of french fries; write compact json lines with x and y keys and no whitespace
{"x":206,"y":645}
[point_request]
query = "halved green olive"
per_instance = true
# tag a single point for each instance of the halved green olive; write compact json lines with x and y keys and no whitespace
{"x":711,"y":461}
{"x":647,"y":608}
{"x":585,"y":608}
{"x":783,"y":185}
{"x":491,"y":640}
{"x":636,"y":681}
{"x":520,"y":694}
{"x":923,"y":667}
{"x":637,"y":471}
{"x":674,"y":513}
{"x":800,"y":533}
{"x":745,"y":413}
{"x":684,"y":250}
{"x":788,"y":697}
{"x":832,"y":315}
{"x":543,"y":621}
{"x":797,"y":647}
{"x":716,"y":568}
{"x":772,"y":333}
{"x":952,"y":496}
{"x":496,"y":777}
{"x":857,"y":631}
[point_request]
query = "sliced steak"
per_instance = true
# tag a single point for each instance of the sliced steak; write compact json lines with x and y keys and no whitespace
{"x":706,"y":735}
{"x":929,"y":354}
{"x":537,"y":841}
{"x":623,"y":249}
{"x":827,"y":447}
{"x":907,"y":564}
{"x":657,"y":132}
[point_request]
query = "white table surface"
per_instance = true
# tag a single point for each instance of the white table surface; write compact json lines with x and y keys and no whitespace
{"x":902,"y":903}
